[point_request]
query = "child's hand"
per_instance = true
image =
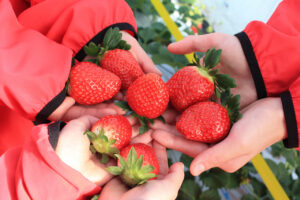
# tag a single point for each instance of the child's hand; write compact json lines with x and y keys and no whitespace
{"x":233,"y":61}
{"x":165,"y":187}
{"x":261,"y":126}
{"x":73,"y":148}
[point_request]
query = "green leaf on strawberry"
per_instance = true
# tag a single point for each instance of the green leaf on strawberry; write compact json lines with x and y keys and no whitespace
{"x":232,"y":104}
{"x":212,"y":57}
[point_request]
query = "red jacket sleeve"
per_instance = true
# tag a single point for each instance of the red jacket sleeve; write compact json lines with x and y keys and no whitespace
{"x":34,"y":171}
{"x":33,"y":69}
{"x":75,"y":23}
{"x":272,"y":51}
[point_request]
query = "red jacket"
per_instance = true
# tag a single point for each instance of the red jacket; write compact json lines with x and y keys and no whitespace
{"x":37,"y":43}
{"x":36,"y":46}
{"x":273,"y":54}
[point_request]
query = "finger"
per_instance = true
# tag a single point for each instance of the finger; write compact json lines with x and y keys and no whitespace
{"x":236,"y":163}
{"x":132,"y":120}
{"x":200,"y":43}
{"x":214,"y":156}
{"x":170,"y":115}
{"x":80,"y":125}
{"x":119,"y":96}
{"x":144,"y":138}
{"x":113,"y":190}
{"x":159,"y":125}
{"x":146,"y":63}
{"x":175,"y":177}
{"x":162,"y":157}
{"x":179,"y":143}
{"x":119,"y":110}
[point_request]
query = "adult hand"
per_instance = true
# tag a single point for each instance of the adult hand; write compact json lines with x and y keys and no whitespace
{"x":262,"y":125}
{"x":232,"y":62}
{"x":165,"y":187}
{"x":73,"y":148}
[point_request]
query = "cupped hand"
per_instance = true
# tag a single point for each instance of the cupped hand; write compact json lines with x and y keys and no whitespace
{"x":165,"y":187}
{"x":73,"y":148}
{"x":262,"y":125}
{"x":232,"y":62}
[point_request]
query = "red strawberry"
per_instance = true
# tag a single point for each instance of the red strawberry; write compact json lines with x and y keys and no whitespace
{"x":197,"y":83}
{"x":123,"y":64}
{"x":110,"y":134}
{"x":89,"y":84}
{"x":208,"y":121}
{"x":137,"y":163}
{"x":148,"y":96}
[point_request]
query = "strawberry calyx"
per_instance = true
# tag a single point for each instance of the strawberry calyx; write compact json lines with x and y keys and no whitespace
{"x":112,"y":40}
{"x":144,"y":121}
{"x":101,"y":144}
{"x":211,"y":58}
{"x":232,"y":104}
{"x":132,"y":172}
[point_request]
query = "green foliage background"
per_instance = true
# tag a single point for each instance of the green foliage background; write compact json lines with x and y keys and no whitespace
{"x":154,"y":38}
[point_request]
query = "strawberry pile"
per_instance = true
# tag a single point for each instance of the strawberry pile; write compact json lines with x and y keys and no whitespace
{"x":195,"y":91}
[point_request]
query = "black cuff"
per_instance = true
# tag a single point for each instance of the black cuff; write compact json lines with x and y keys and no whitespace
{"x":99,"y":37}
{"x":290,"y":119}
{"x":54,"y":131}
{"x":42,"y":116}
{"x":253,"y":64}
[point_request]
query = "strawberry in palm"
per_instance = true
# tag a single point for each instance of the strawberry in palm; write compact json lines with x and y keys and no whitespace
{"x":114,"y":56}
{"x":197,"y":83}
{"x":137,"y":163}
{"x":209,"y":122}
{"x":110,"y":134}
{"x":148,"y":96}
{"x":89,"y":84}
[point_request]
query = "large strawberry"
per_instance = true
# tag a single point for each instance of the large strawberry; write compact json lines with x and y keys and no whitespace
{"x":114,"y":56}
{"x":209,"y":122}
{"x":148,"y":96}
{"x":196,"y":83}
{"x":110,"y":134}
{"x":137,"y":163}
{"x":89,"y":84}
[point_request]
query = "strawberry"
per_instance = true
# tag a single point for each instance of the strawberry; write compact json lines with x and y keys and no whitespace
{"x":137,"y":163}
{"x":110,"y":134}
{"x":114,"y":56}
{"x":208,"y":121}
{"x":123,"y":64}
{"x":192,"y":84}
{"x":89,"y":84}
{"x":148,"y":96}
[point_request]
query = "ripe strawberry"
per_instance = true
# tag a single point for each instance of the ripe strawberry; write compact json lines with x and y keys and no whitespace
{"x":148,"y":96}
{"x":192,"y":84}
{"x":208,"y":121}
{"x":110,"y":134}
{"x":114,"y":56}
{"x":123,"y":64}
{"x":89,"y":84}
{"x":137,"y":163}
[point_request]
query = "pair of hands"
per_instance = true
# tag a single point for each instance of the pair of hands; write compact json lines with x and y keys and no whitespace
{"x":262,"y":124}
{"x":73,"y":149}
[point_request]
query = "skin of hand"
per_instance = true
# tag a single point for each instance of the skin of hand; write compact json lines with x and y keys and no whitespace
{"x":165,"y":187}
{"x":73,"y":149}
{"x":262,"y":125}
{"x":68,"y":110}
{"x":232,"y":62}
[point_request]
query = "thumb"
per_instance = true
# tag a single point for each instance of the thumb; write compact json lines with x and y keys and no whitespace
{"x":175,"y":176}
{"x":214,"y":157}
{"x":195,"y":43}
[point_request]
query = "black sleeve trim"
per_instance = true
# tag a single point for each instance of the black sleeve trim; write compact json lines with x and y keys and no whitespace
{"x":290,"y":118}
{"x":253,"y":64}
{"x":99,"y":37}
{"x":54,"y":131}
{"x":42,"y":116}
